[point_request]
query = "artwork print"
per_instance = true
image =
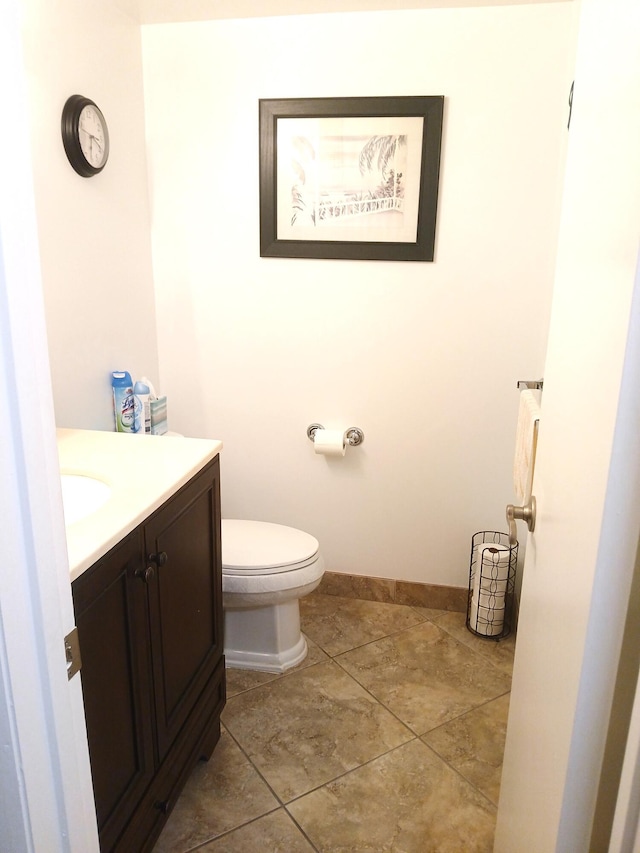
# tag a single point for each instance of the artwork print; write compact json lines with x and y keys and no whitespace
{"x":352,"y":178}
{"x":349,"y":179}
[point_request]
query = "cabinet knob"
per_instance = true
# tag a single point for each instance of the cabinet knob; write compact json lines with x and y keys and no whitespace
{"x":159,"y":559}
{"x":145,"y":574}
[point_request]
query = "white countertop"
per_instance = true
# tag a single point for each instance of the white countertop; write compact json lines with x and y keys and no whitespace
{"x":143,"y":471}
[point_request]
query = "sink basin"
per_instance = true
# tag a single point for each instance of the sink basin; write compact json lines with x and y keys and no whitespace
{"x":82,"y":495}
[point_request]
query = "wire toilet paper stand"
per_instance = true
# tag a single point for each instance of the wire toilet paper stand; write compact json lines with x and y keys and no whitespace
{"x":492,"y":574}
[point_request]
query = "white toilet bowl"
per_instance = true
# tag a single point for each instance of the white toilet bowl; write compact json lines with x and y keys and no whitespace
{"x":266,"y":569}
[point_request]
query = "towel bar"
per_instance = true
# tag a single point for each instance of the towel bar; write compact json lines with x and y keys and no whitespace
{"x":530,"y":384}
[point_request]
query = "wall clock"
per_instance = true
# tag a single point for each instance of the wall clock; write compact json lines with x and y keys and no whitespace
{"x":85,"y":136}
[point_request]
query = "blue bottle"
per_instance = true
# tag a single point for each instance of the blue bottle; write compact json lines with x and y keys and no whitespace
{"x":123,"y":404}
{"x":142,"y":407}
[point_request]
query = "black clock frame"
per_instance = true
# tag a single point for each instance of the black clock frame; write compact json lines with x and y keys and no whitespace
{"x":71,"y":136}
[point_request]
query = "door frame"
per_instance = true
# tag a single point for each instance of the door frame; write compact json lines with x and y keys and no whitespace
{"x":47,"y":800}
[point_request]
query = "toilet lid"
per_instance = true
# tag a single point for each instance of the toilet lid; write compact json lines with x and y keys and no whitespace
{"x":259,"y":547}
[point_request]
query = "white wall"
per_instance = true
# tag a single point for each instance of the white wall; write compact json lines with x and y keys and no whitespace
{"x":166,"y":11}
{"x":94,"y":232}
{"x":423,"y":357}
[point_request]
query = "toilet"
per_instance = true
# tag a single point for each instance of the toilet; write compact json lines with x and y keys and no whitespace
{"x":266,"y":569}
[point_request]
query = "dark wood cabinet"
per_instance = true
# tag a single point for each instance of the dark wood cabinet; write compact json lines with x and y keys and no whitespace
{"x":150,"y":626}
{"x":111,"y":617}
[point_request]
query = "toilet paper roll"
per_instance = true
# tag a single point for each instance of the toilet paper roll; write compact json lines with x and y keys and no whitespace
{"x":490,"y":585}
{"x":329,"y":442}
{"x":486,"y":616}
{"x":491,"y":568}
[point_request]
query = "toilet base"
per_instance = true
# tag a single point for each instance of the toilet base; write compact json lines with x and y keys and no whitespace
{"x":274,"y":629}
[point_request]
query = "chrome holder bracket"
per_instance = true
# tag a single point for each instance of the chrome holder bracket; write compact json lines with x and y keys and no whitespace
{"x":312,"y":429}
{"x":526,"y":513}
{"x":352,"y":436}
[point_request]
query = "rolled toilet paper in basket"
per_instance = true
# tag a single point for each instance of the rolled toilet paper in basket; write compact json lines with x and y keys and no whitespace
{"x":490,"y":584}
{"x":329,"y":442}
{"x":492,"y":568}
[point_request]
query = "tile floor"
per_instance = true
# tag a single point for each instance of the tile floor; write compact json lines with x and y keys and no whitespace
{"x":388,"y":737}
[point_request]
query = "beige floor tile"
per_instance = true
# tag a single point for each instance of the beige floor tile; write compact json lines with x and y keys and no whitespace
{"x":499,"y":652}
{"x":425,"y":676}
{"x":327,"y":725}
{"x":474,"y":745}
{"x":274,"y":833}
{"x":432,"y":613}
{"x":222,"y":793}
{"x":308,"y":728}
{"x":338,"y":624}
{"x":407,"y":801}
{"x":239,"y":680}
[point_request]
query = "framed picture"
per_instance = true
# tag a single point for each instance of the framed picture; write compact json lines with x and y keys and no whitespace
{"x":352,"y":178}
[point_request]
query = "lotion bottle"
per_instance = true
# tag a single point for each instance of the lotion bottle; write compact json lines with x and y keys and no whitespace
{"x":142,"y":407}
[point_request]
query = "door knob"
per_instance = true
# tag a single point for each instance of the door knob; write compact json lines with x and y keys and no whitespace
{"x":525,"y":513}
{"x":145,"y":574}
{"x":160,"y":559}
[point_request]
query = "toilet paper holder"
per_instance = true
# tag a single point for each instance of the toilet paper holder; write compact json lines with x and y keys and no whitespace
{"x":353,"y":436}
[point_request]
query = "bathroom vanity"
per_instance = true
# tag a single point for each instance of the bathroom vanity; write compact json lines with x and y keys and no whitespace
{"x":149,"y":616}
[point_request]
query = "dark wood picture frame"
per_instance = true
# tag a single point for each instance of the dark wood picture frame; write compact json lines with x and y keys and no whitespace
{"x":372,"y":134}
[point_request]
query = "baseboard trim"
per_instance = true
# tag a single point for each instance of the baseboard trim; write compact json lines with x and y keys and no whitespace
{"x":434,"y":596}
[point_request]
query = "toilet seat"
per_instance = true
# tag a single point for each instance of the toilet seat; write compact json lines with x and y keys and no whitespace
{"x":262,"y":548}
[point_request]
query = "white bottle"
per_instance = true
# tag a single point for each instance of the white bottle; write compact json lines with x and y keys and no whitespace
{"x":142,"y":408}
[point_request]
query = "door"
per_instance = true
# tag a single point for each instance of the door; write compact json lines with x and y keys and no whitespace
{"x":182,"y":542}
{"x":110,"y":601}
{"x":580,"y":558}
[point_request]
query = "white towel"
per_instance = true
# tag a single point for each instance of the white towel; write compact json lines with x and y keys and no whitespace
{"x":525,"y":452}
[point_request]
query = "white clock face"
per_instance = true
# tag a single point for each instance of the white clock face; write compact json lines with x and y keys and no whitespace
{"x":92,"y":132}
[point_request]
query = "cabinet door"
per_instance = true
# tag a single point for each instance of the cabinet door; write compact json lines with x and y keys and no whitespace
{"x":110,"y":606}
{"x":185,"y":597}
